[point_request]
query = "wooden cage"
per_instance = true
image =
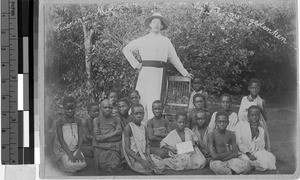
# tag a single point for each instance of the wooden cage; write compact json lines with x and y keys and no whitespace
{"x":177,"y":94}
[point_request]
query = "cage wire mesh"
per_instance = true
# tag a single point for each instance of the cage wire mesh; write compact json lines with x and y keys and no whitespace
{"x":178,"y":92}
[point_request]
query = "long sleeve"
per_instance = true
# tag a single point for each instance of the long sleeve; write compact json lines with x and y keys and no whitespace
{"x":127,"y":51}
{"x":174,"y":59}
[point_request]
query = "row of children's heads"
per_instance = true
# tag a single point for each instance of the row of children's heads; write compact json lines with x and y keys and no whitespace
{"x":199,"y":101}
{"x":202,"y":118}
{"x":138,"y":111}
{"x":115,"y":106}
{"x":133,"y":95}
{"x":254,"y":113}
{"x":69,"y":105}
{"x":123,"y":107}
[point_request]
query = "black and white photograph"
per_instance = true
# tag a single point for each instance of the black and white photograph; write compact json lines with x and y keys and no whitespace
{"x":168,"y":89}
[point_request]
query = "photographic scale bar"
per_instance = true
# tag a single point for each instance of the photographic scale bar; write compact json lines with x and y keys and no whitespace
{"x":17,"y":118}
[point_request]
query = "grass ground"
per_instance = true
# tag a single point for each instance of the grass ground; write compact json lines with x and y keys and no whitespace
{"x":282,"y":126}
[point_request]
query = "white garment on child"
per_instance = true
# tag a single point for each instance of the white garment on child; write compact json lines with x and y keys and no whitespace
{"x":193,"y":160}
{"x":245,"y":104}
{"x":256,"y":146}
{"x":243,"y":115}
{"x":70,"y":136}
{"x":233,"y":120}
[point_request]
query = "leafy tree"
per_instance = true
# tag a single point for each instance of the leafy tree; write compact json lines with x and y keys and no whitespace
{"x":84,"y":45}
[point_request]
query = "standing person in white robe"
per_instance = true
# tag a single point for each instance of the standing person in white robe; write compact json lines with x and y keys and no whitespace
{"x":155,"y":50}
{"x":251,"y":141}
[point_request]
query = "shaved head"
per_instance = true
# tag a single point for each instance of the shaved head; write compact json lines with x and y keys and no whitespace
{"x":106,"y":106}
{"x":106,"y":102}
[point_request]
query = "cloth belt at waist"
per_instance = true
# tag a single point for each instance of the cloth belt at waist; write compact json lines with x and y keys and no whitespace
{"x":157,"y":64}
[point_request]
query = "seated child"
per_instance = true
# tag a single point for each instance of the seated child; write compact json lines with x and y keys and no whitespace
{"x":157,"y":129}
{"x":254,"y":87}
{"x":251,"y":141}
{"x":68,"y":139}
{"x":108,"y":140}
{"x":199,"y":104}
{"x":136,"y":147}
{"x":233,"y":118}
{"x":50,"y":133}
{"x":223,"y":149}
{"x":123,"y":108}
{"x":201,"y":131}
{"x":87,"y":142}
{"x":197,"y":86}
{"x":115,"y":112}
{"x":113,"y":97}
{"x":135,"y":97}
{"x":191,"y":160}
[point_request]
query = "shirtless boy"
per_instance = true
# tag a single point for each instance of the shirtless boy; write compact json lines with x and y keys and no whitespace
{"x":108,"y":140}
{"x":224,"y":150}
{"x":93,"y":112}
{"x":158,"y":128}
{"x":123,"y":108}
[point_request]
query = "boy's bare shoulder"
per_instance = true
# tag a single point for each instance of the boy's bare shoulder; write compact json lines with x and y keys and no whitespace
{"x":165,"y":120}
{"x":230,"y":133}
{"x":127,"y":130}
{"x":97,"y":119}
{"x":117,"y":118}
{"x":210,"y":134}
{"x":59,"y":122}
{"x":85,"y":120}
{"x":150,"y":122}
{"x":78,"y":120}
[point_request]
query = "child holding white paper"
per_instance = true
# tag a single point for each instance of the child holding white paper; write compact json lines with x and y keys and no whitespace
{"x":192,"y":160}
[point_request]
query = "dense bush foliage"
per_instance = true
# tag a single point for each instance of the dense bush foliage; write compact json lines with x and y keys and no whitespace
{"x":218,"y":41}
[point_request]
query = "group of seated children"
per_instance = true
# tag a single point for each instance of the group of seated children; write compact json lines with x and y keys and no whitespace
{"x":229,"y":143}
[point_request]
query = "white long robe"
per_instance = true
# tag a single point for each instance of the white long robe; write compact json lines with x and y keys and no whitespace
{"x":243,"y":115}
{"x":149,"y":84}
{"x":256,"y":146}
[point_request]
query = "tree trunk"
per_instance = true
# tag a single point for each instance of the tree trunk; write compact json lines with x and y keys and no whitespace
{"x":88,"y":32}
